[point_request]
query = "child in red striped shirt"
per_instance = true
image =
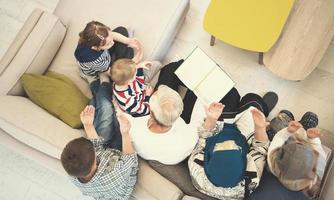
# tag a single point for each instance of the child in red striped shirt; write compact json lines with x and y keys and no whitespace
{"x":129,"y":87}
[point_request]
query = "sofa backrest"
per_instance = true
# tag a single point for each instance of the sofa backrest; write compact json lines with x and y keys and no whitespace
{"x":32,"y":50}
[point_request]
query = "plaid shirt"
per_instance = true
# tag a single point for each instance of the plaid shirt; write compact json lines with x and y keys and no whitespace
{"x":115,"y":177}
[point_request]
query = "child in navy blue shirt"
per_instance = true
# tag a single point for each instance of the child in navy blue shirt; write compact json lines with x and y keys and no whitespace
{"x":99,"y":46}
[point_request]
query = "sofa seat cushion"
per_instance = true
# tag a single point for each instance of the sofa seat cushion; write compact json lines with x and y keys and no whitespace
{"x":31,"y":51}
{"x":151,"y":185}
{"x":57,"y":94}
{"x":155,"y":24}
{"x":32,"y":125}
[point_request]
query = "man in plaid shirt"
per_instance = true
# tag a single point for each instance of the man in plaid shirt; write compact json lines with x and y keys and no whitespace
{"x":105,"y":165}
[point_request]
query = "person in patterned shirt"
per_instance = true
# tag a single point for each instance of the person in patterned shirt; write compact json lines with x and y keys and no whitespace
{"x":130,"y":89}
{"x":105,"y":165}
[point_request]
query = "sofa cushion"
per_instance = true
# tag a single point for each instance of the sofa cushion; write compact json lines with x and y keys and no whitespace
{"x":32,"y":125}
{"x":180,"y":176}
{"x":31,"y":51}
{"x":154,"y":184}
{"x":58,"y":95}
{"x":155,"y":24}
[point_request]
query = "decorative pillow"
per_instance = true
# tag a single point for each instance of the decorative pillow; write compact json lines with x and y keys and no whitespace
{"x":57,"y":94}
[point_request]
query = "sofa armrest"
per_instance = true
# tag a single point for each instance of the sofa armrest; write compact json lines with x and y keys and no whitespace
{"x":158,"y":187}
{"x":32,"y":50}
{"x":32,"y":125}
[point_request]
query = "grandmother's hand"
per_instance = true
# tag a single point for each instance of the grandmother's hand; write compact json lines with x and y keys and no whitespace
{"x":294,"y":126}
{"x":259,"y":118}
{"x":313,"y":133}
{"x":214,"y":110}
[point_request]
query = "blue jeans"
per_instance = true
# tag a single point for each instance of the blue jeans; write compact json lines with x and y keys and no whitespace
{"x":105,"y":121}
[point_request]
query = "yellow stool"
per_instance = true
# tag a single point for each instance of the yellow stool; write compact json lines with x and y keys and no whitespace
{"x":248,"y":24}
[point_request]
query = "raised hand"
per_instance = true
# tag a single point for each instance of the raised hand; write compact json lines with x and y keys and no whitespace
{"x":313,"y":133}
{"x":149,"y":90}
{"x":260,"y":124}
{"x":87,"y":115}
{"x":294,"y":126}
{"x":214,"y":110}
{"x":259,"y":118}
{"x":124,"y":124}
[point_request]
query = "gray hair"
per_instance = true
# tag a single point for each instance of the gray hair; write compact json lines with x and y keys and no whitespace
{"x":166,"y":105}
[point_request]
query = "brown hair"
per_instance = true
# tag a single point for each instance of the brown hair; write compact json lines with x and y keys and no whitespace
{"x":78,"y":157}
{"x":122,"y":70}
{"x":94,"y":34}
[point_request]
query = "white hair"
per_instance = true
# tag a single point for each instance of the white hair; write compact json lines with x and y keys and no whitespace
{"x":166,"y":105}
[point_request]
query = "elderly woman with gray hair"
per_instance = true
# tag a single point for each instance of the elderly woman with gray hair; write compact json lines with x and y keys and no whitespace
{"x":163,"y":135}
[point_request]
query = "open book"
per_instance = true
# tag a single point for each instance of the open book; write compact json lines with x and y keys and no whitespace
{"x":204,"y":77}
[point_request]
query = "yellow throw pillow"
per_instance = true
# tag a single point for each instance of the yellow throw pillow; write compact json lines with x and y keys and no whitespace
{"x":57,"y":94}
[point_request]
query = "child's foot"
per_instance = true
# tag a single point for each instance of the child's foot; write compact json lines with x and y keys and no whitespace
{"x":309,"y":120}
{"x":271,"y":99}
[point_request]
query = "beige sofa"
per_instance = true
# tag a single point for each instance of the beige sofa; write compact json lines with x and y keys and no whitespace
{"x":47,"y":42}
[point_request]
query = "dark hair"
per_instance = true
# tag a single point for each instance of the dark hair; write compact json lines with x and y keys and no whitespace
{"x":78,"y":157}
{"x":94,"y":34}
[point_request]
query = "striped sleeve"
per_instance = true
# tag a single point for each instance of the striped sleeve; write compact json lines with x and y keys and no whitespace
{"x":133,"y":101}
{"x":94,"y":67}
{"x":256,"y":160}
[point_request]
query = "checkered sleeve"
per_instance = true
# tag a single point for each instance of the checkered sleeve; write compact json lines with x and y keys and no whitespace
{"x":127,"y":166}
{"x":97,"y":142}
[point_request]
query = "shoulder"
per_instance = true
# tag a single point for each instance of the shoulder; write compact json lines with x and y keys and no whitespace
{"x":84,"y":53}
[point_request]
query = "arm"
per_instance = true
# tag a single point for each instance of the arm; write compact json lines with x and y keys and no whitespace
{"x":120,"y":38}
{"x":138,"y":103}
{"x":213,"y":112}
{"x":87,"y":119}
{"x":210,"y":126}
{"x":131,"y":42}
{"x":125,"y":128}
{"x":259,"y":125}
{"x":259,"y":146}
{"x":134,"y":43}
{"x":256,"y":160}
{"x":127,"y":165}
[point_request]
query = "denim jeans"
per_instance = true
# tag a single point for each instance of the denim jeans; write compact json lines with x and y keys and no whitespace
{"x":105,"y":121}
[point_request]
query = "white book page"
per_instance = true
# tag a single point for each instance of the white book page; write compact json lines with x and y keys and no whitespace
{"x":215,"y":86}
{"x":195,"y":68}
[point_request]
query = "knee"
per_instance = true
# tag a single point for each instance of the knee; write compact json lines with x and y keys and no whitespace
{"x":251,"y":97}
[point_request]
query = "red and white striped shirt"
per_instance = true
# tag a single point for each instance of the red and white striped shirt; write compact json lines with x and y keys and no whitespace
{"x":133,"y":100}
